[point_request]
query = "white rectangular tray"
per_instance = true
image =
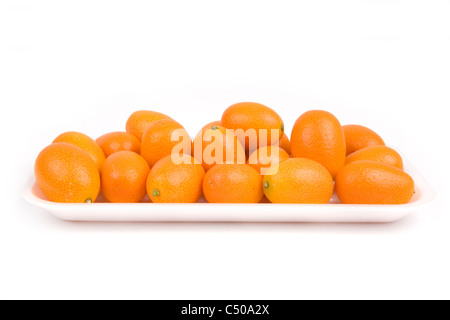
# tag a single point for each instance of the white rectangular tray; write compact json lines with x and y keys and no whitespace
{"x":205,"y":212}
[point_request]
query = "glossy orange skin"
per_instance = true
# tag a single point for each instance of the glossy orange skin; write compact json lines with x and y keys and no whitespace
{"x":299,"y":180}
{"x":318,"y":135}
{"x":256,"y":116}
{"x":211,"y":125}
{"x":157,"y":140}
{"x":66,"y":173}
{"x":139,"y":121}
{"x":176,"y":183}
{"x":233,"y":183}
{"x":265,"y":157}
{"x":124,"y":177}
{"x":285,"y":144}
{"x":231,"y":147}
{"x":86,"y":143}
{"x":370,"y":182}
{"x":358,"y":137}
{"x":118,"y":141}
{"x":381,"y":154}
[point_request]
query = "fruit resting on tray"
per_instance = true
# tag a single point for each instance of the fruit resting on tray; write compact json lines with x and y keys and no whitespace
{"x":246,"y":157}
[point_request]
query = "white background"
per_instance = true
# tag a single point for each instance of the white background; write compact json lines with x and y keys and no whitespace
{"x":86,"y":65}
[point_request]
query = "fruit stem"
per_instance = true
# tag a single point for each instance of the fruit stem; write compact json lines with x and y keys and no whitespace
{"x":266,"y":185}
{"x":88,"y":200}
{"x":214,"y":127}
{"x":156,"y":193}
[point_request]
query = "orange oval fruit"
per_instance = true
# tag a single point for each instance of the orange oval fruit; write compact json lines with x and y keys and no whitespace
{"x":285,"y":144}
{"x":265,"y":157}
{"x":85,"y":143}
{"x":169,"y":182}
{"x":370,"y":182}
{"x":255,"y":119}
{"x":118,"y":141}
{"x":162,"y":138}
{"x":298,"y":180}
{"x":233,"y":183}
{"x":140,"y":120}
{"x":66,"y":173}
{"x":381,"y":154}
{"x":124,"y":177}
{"x":318,"y":135}
{"x":212,"y":125}
{"x":217,"y":145}
{"x":358,"y":137}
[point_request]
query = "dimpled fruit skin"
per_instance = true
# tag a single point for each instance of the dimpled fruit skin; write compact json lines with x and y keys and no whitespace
{"x":176,"y":183}
{"x":233,"y":183}
{"x":252,"y":115}
{"x":86,"y":143}
{"x":318,"y":135}
{"x":299,"y":180}
{"x":265,"y":157}
{"x":285,"y":144}
{"x":229,"y":141}
{"x":369,"y":182}
{"x":124,"y":177}
{"x":66,"y":173}
{"x":139,"y":121}
{"x":157,"y":140}
{"x":118,"y":141}
{"x":381,"y":154}
{"x":358,"y":137}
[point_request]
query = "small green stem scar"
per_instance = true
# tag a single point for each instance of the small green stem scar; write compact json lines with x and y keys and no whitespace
{"x":88,"y":200}
{"x":155,"y":193}
{"x":266,"y":185}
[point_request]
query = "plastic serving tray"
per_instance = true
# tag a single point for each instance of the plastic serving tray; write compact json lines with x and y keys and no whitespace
{"x":206,"y":212}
